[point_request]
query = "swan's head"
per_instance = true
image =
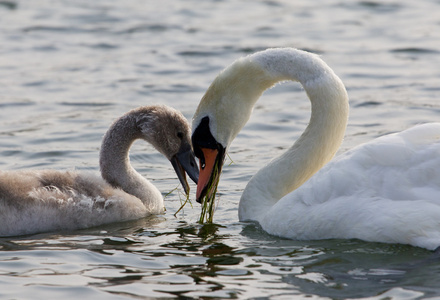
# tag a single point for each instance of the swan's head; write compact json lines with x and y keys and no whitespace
{"x":211,"y":156}
{"x":169,"y":132}
{"x":223,"y":111}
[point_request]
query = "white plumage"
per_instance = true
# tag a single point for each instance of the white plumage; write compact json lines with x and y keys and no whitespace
{"x":387,"y":190}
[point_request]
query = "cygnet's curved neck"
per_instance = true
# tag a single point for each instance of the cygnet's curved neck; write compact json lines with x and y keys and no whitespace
{"x":115,"y":164}
{"x":248,"y":78}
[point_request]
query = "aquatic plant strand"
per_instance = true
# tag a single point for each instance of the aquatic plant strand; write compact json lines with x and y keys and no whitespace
{"x":184,"y":203}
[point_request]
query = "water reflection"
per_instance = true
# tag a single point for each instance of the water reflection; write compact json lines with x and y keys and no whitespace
{"x":172,"y":258}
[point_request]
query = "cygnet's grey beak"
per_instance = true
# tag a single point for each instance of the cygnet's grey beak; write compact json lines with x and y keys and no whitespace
{"x":184,"y":161}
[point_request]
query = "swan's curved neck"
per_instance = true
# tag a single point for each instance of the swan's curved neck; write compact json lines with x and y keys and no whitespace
{"x":244,"y":82}
{"x":115,"y":164}
{"x":316,"y":146}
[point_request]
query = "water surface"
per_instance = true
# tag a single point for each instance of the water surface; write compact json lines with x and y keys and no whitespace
{"x":69,"y":68}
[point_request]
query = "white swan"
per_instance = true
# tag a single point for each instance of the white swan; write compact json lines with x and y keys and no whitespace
{"x":48,"y":200}
{"x":387,"y":190}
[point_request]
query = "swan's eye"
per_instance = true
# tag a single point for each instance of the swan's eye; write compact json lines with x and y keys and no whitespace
{"x":180,"y":135}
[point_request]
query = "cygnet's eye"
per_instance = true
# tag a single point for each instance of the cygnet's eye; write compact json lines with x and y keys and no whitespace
{"x":180,"y":135}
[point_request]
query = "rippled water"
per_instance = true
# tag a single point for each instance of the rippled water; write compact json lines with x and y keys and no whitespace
{"x":68,"y":68}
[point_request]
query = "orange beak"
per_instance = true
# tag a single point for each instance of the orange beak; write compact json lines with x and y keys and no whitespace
{"x":206,"y":170}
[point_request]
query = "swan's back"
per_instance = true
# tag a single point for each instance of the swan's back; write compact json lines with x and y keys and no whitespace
{"x":47,"y":200}
{"x":400,"y":166}
{"x":386,"y":190}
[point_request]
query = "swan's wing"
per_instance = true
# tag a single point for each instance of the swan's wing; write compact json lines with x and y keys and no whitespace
{"x":37,"y":201}
{"x":386,"y":190}
{"x":48,"y":187}
{"x":403,"y":166}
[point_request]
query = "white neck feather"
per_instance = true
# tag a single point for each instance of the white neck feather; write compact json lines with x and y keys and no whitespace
{"x":233,"y":95}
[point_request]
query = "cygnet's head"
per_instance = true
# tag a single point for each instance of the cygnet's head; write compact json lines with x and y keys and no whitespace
{"x":170,"y":133}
